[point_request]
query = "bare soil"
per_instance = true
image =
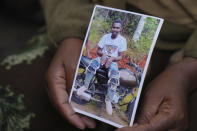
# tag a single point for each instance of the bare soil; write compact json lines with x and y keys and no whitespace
{"x":118,"y":116}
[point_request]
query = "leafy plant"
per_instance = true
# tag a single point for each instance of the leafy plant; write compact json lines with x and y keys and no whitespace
{"x":13,"y":114}
{"x":136,"y":51}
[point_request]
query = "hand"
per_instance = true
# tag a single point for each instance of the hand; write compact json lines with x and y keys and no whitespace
{"x":164,"y":106}
{"x":103,"y":59}
{"x":109,"y":61}
{"x":59,"y":78}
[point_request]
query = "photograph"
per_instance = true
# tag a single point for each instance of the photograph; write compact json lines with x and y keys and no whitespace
{"x":113,"y":63}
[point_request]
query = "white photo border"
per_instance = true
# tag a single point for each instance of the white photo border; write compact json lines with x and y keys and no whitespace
{"x":144,"y":71}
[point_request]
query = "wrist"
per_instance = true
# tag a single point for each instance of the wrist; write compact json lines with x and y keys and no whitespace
{"x":71,"y":40}
{"x":186,"y":69}
{"x":191,"y":71}
{"x":69,"y":48}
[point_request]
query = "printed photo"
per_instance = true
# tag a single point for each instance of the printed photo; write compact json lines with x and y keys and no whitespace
{"x":113,"y":64}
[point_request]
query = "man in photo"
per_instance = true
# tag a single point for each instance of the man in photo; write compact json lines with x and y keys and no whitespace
{"x":111,"y":49}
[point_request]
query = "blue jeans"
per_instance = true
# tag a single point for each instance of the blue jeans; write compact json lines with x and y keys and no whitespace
{"x":113,"y":75}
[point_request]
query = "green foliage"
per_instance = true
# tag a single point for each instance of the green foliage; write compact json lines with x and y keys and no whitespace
{"x":13,"y":115}
{"x":103,"y":20}
{"x":34,"y":48}
{"x":142,"y":46}
{"x":98,"y":29}
{"x":129,"y":21}
{"x":146,"y":38}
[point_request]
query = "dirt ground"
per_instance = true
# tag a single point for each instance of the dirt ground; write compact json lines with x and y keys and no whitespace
{"x":118,"y":116}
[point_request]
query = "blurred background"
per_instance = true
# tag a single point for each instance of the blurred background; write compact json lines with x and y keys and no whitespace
{"x":19,"y":21}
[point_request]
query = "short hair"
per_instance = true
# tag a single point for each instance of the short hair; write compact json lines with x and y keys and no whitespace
{"x":118,"y":21}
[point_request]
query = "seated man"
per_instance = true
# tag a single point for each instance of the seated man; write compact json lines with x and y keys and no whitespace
{"x":110,"y":50}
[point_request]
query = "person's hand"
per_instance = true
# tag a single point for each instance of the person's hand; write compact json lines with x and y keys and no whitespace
{"x":164,"y":106}
{"x":103,"y":59}
{"x":59,"y":78}
{"x":109,"y":61}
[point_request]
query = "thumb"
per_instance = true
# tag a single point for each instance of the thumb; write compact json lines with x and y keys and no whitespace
{"x":56,"y":87}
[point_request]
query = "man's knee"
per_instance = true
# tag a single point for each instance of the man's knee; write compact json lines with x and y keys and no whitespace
{"x":113,"y":78}
{"x":93,"y":66}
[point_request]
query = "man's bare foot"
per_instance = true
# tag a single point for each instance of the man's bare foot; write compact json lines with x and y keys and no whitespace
{"x":109,"y":109}
{"x":81,"y":90}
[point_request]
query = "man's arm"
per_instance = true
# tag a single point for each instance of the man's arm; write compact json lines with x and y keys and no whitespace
{"x":114,"y":59}
{"x":99,"y":52}
{"x":102,"y":55}
{"x":120,"y":55}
